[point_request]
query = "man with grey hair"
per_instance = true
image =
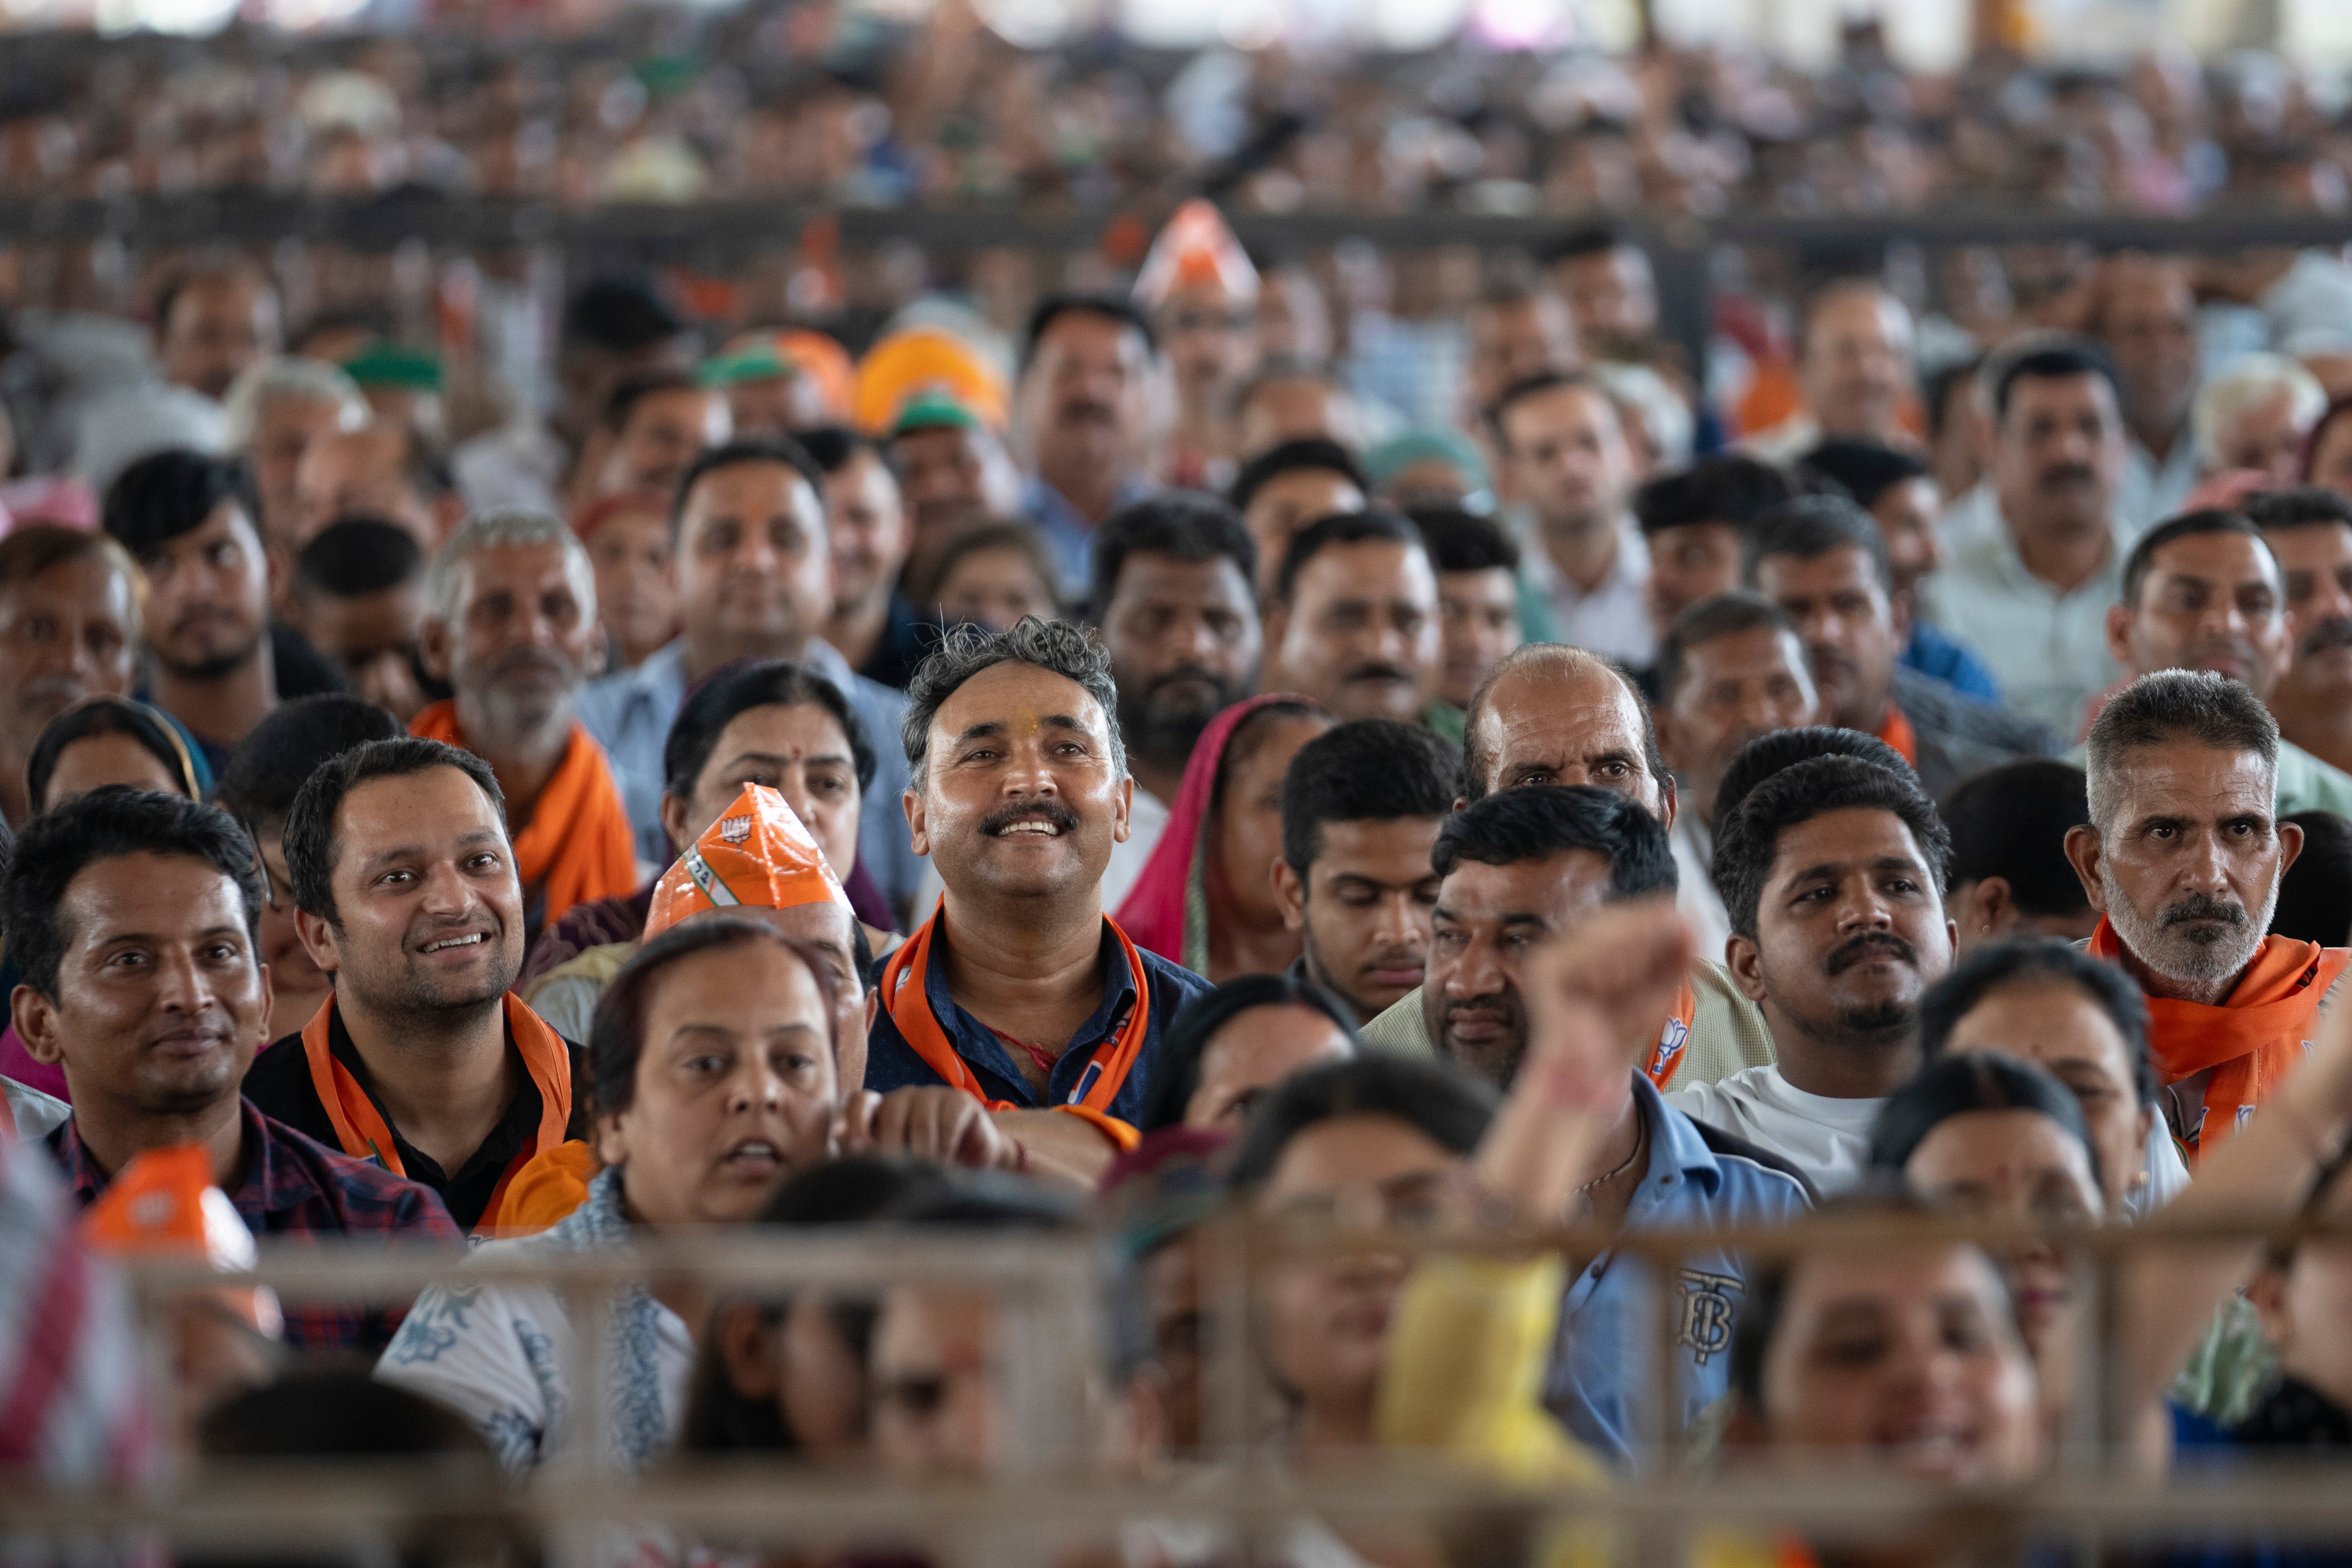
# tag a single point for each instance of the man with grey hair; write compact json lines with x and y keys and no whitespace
{"x":511,"y":626}
{"x":274,"y":412}
{"x":2182,"y":857}
{"x":1020,"y":991}
{"x":2254,"y":413}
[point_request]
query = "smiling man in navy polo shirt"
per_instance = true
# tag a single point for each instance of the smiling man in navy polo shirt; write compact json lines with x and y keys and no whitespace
{"x":1020,"y":991}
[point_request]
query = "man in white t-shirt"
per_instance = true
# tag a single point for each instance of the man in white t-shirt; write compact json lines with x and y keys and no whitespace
{"x":1832,"y":873}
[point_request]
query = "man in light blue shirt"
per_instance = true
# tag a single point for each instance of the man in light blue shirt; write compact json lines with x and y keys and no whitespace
{"x":1086,"y":401}
{"x":754,"y":582}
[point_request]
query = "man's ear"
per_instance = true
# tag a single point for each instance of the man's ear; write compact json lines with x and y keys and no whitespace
{"x":912,"y":802}
{"x":433,"y":647}
{"x":1122,"y":805}
{"x":447,"y":513}
{"x":1289,"y":896}
{"x":1669,"y":802}
{"x":36,"y":1017}
{"x":2119,"y":620}
{"x":1900,"y":611}
{"x":1745,"y":960}
{"x":1663,"y":723}
{"x":600,"y":647}
{"x":2290,"y":837}
{"x":318,"y":939}
{"x":2083,"y":852}
{"x":746,"y":1348}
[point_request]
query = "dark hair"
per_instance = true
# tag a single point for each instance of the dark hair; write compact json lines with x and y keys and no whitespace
{"x":270,"y":765}
{"x":617,"y":1038}
{"x":209,"y":268}
{"x":2011,"y":821}
{"x":771,"y":683}
{"x":1588,"y":239}
{"x":1726,"y":615}
{"x":1935,"y":393}
{"x":338,"y":1411}
{"x":624,"y":399}
{"x":781,"y":451}
{"x":1183,"y":525}
{"x":1461,"y":540}
{"x":1053,"y":307}
{"x":2037,"y":961}
{"x":1450,"y":1108}
{"x":1341,"y":527}
{"x":2051,"y":357}
{"x":1314,"y":452}
{"x":1176,"y":1070}
{"x":2314,"y":902}
{"x":1734,"y":491}
{"x":312,"y":846}
{"x":964,"y":652}
{"x":108,"y":716}
{"x":2188,"y":526}
{"x":2305,"y":506}
{"x":165,"y":494}
{"x":1368,"y":770}
{"x":1768,"y":754}
{"x":1747,"y":843}
{"x":1536,"y":385}
{"x":1536,"y":822}
{"x":1242,"y":742}
{"x":1864,"y":471}
{"x":1562,"y":654}
{"x":2201,"y":707}
{"x":831,"y":447}
{"x":1962,"y":1084}
{"x":57,"y":846}
{"x":1023,"y":539}
{"x":356,"y":556}
{"x":2336,"y":410}
{"x":619,"y":315}
{"x":1809,"y":528}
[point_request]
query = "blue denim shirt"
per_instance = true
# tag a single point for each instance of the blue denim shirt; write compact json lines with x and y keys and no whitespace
{"x":1933,"y":651}
{"x":630,"y":715}
{"x":1067,"y":533}
{"x":891,"y":1063}
{"x":1599,"y":1383}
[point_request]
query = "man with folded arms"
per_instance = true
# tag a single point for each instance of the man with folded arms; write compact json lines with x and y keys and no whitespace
{"x":1020,"y":992}
{"x":513,"y":628}
{"x":2183,"y":856}
{"x":135,"y":918}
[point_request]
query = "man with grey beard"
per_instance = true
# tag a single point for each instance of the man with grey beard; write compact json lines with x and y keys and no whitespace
{"x":2182,"y":857}
{"x":512,"y":628}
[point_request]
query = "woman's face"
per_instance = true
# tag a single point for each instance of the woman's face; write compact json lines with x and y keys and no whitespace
{"x":2058,"y":1026}
{"x":995,"y":588}
{"x":1323,"y":1325}
{"x":1258,"y":1048}
{"x":2015,"y":1164}
{"x":2306,"y":1310}
{"x":802,"y":754}
{"x":735,"y":1087}
{"x":1249,"y":819}
{"x":113,"y":758}
{"x":1905,"y":1359}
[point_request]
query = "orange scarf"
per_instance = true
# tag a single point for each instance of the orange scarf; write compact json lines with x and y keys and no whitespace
{"x":1673,"y":1040}
{"x":578,"y":846}
{"x":903,"y":993}
{"x":360,"y":1128}
{"x":2251,"y":1040}
{"x":1898,"y":733}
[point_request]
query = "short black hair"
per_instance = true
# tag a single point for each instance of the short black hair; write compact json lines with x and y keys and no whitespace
{"x":1768,"y":754}
{"x":624,"y":399}
{"x":779,"y":449}
{"x":1183,"y":525}
{"x":1176,"y":1070}
{"x":1314,"y":452}
{"x":2314,"y":902}
{"x":312,"y":846}
{"x":1733,"y":490}
{"x":1807,"y":528}
{"x":619,"y":315}
{"x":1116,"y":307}
{"x":338,"y":1413}
{"x":1536,"y":822}
{"x":181,"y":278}
{"x":165,"y":494}
{"x":831,"y":447}
{"x":2051,"y":357}
{"x":359,"y":555}
{"x":57,"y":846}
{"x":2305,"y":506}
{"x":771,"y":683}
{"x":1588,"y":239}
{"x":2188,"y":526}
{"x":2011,"y":821}
{"x":1339,"y":528}
{"x":1745,"y":846}
{"x":1936,"y":392}
{"x":1055,"y":646}
{"x":1447,"y":1106}
{"x":278,"y":756}
{"x":1962,"y":1085}
{"x":1726,"y":615}
{"x":2040,"y":960}
{"x":108,"y":716}
{"x":1864,"y":471}
{"x":1536,"y":385}
{"x":1368,"y":770}
{"x":1461,"y":540}
{"x":617,"y":1038}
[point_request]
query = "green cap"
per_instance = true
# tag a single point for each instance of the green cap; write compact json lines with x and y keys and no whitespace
{"x":933,"y":411}
{"x":755,"y":361}
{"x":385,"y":363}
{"x":1395,"y":456}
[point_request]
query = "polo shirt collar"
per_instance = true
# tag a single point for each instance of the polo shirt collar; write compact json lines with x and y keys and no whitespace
{"x":978,"y":1044}
{"x":1675,"y":1148}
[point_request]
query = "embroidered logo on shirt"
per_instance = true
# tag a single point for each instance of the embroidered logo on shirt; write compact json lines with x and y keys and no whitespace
{"x":1707,"y":1310}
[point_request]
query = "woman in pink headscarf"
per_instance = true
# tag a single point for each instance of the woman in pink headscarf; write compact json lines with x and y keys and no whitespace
{"x":1206,"y":899}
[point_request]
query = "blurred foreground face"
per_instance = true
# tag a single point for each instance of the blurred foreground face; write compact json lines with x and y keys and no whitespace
{"x":995,"y":588}
{"x":1255,"y":1051}
{"x":936,"y":1413}
{"x":2062,"y":1028}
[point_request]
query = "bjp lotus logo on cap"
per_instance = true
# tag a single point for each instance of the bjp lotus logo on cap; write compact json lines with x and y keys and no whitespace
{"x":734,"y":830}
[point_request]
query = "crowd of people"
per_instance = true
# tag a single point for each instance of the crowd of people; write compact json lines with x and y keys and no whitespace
{"x":1202,"y":747}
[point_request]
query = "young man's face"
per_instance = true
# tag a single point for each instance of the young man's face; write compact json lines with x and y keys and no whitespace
{"x":208,"y":597}
{"x":1363,"y":907}
{"x":1360,"y":634}
{"x":1477,"y":626}
{"x":754,"y":558}
{"x":1732,"y":690}
{"x":1847,"y":623}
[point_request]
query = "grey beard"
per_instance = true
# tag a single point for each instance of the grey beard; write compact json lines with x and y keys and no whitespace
{"x":2176,"y":956}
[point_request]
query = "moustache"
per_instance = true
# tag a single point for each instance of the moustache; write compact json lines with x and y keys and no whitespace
{"x":1860,"y":947}
{"x":530,"y":661}
{"x":202,"y":615}
{"x":58,"y":692}
{"x":1827,"y":660}
{"x":1051,"y":812}
{"x":1378,"y":672}
{"x":1191,"y":674}
{"x":2327,"y":634}
{"x":2201,"y":906}
{"x":1089,"y":409}
{"x":2067,"y":474}
{"x":2241,"y":651}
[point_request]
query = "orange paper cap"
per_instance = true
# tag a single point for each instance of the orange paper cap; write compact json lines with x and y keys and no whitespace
{"x":164,"y":1202}
{"x":1197,"y":246}
{"x":760,"y":854}
{"x":927,"y":359}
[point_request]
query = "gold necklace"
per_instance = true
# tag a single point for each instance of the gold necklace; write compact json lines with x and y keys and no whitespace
{"x":1641,"y":1141}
